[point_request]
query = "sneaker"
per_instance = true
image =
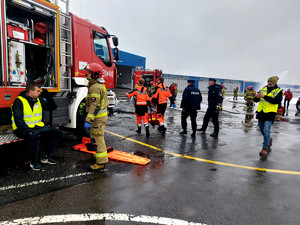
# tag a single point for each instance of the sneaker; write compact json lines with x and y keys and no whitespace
{"x":36,"y":166}
{"x":48,"y":160}
{"x":183,"y":132}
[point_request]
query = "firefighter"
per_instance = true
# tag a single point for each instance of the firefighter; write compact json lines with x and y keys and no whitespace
{"x":27,"y":110}
{"x":141,"y":109}
{"x":250,"y":94}
{"x":161,"y":95}
{"x":235,"y":93}
{"x":214,"y":103}
{"x":269,"y":97}
{"x":152,"y":88}
{"x":223,"y":95}
{"x":96,"y":108}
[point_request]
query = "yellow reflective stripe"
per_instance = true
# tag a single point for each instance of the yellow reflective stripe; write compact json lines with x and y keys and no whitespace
{"x":91,"y":116}
{"x":102,"y":111}
{"x":101,"y":154}
{"x":102,"y":114}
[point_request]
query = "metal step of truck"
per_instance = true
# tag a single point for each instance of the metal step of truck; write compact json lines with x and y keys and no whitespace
{"x":9,"y":138}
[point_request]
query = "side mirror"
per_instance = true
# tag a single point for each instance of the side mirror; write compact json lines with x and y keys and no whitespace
{"x":116,"y":54}
{"x":115,"y":41}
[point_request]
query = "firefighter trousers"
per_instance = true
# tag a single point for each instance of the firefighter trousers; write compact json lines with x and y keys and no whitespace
{"x":97,"y":132}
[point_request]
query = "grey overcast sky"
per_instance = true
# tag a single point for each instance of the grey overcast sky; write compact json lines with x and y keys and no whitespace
{"x":235,"y":39}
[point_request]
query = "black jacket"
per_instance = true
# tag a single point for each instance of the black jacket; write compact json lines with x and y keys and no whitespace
{"x":191,"y":98}
{"x":17,"y":109}
{"x":277,"y":100}
{"x":215,"y":95}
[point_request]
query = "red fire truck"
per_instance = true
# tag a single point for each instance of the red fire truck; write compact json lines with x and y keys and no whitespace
{"x":148,"y":75}
{"x":42,"y":42}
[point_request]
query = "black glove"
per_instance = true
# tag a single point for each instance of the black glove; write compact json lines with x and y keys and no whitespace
{"x":45,"y":94}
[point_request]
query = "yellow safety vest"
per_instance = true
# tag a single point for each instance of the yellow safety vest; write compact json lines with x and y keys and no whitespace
{"x":31,"y":118}
{"x":266,"y":106}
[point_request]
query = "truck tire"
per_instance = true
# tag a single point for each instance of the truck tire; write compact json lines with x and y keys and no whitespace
{"x":80,"y":120}
{"x":298,"y":105}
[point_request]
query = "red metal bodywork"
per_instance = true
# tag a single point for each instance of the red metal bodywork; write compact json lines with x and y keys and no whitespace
{"x":152,"y":74}
{"x":84,"y":51}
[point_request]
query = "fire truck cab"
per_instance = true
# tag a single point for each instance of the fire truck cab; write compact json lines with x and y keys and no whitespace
{"x":40,"y":42}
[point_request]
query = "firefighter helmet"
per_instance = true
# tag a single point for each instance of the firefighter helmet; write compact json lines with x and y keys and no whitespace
{"x":96,"y":69}
{"x":251,"y":87}
{"x":151,"y":82}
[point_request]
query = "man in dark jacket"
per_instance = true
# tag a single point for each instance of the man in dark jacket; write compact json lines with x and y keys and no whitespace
{"x":27,"y":123}
{"x":190,"y":103}
{"x":269,"y":97}
{"x":215,"y":100}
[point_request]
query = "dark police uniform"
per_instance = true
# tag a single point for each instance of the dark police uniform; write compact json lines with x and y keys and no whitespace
{"x":214,"y":103}
{"x":190,"y":103}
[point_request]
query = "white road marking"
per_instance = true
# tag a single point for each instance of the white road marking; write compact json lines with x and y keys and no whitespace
{"x":43,"y":181}
{"x":99,"y":216}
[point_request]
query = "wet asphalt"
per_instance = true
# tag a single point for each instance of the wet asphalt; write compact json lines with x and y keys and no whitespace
{"x":202,"y":180}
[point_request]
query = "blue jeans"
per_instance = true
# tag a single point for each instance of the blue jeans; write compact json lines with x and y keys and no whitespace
{"x":265,"y":130}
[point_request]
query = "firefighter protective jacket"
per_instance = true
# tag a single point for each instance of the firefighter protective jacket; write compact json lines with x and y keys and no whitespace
{"x":19,"y":110}
{"x":96,"y":102}
{"x":141,"y":94}
{"x":250,"y":94}
{"x":162,"y":94}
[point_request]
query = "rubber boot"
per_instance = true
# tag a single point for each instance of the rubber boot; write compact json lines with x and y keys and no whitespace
{"x":147,"y":131}
{"x":193,"y":135}
{"x":139,"y":130}
{"x":96,"y":167}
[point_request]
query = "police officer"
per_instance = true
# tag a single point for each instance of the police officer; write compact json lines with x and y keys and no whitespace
{"x":96,"y":108}
{"x":141,"y":110}
{"x":27,"y":110}
{"x":269,"y":97}
{"x":190,"y":103}
{"x":214,"y":104}
{"x":160,"y":97}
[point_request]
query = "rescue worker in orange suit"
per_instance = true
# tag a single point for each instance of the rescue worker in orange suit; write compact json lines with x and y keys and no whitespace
{"x":160,"y":97}
{"x":96,"y":108}
{"x":249,"y":96}
{"x":27,"y":123}
{"x":141,"y":109}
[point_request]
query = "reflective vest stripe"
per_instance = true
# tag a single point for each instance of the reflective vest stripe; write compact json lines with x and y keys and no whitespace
{"x":31,"y":117}
{"x":101,"y":154}
{"x":141,"y":103}
{"x":94,"y":95}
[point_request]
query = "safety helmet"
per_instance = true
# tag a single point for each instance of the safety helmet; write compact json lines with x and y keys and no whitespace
{"x":96,"y":69}
{"x":151,"y":82}
{"x":237,"y":87}
{"x":223,"y":85}
{"x":250,"y":86}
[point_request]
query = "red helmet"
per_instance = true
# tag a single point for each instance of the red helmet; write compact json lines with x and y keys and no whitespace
{"x":223,"y":85}
{"x":151,"y":82}
{"x":237,"y":87}
{"x":96,"y":69}
{"x":250,"y":86}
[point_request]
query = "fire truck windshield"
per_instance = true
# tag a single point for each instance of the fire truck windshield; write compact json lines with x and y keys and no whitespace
{"x":101,"y":49}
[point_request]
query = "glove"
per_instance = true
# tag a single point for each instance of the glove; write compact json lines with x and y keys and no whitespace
{"x":87,"y":125}
{"x":174,"y":106}
{"x":45,"y":93}
{"x":86,"y":128}
{"x":218,"y":107}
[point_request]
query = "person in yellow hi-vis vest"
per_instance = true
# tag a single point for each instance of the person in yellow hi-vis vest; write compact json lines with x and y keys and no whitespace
{"x":27,"y":110}
{"x":269,"y":97}
{"x":96,"y":108}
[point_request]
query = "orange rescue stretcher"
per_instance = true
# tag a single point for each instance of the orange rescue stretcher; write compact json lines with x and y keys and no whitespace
{"x":112,"y":153}
{"x":153,"y":119}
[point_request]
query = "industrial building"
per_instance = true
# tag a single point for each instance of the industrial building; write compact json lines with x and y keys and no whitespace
{"x":129,"y":62}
